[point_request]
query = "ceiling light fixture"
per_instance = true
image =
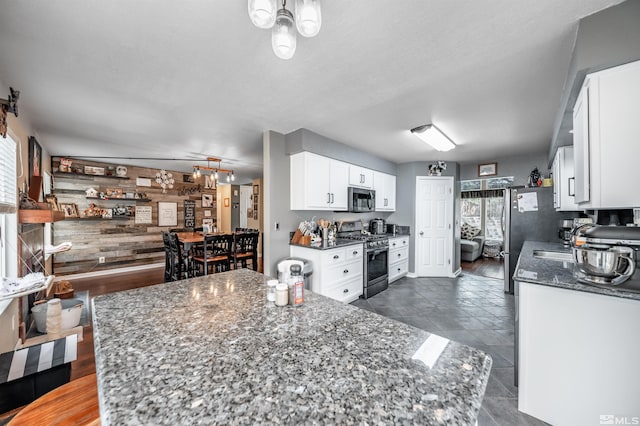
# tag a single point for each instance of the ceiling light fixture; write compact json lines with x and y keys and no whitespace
{"x":213,"y":171}
{"x":308,"y":20}
{"x":430,"y":134}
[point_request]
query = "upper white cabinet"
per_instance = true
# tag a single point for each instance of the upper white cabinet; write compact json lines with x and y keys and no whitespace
{"x":606,"y":126}
{"x":318,"y":183}
{"x":385,"y":187}
{"x":564,"y":180}
{"x":360,"y":177}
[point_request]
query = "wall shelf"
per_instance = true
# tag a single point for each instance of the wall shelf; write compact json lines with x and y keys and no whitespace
{"x":39,"y":216}
{"x":144,"y":200}
{"x":86,"y":176}
{"x":80,"y":219}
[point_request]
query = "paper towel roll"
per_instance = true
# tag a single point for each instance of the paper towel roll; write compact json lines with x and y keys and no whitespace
{"x":54,"y":318}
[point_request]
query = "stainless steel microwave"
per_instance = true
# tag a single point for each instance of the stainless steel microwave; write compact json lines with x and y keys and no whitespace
{"x":361,"y":200}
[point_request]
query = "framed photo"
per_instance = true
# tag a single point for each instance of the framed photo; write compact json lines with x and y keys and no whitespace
{"x":167,"y":213}
{"x":69,"y":209}
{"x":207,"y":226}
{"x":256,"y":189}
{"x":52,"y":200}
{"x":488,"y":169}
{"x":35,"y":158}
{"x":92,"y":170}
{"x":143,"y":214}
{"x":227,"y":202}
{"x":207,"y":200}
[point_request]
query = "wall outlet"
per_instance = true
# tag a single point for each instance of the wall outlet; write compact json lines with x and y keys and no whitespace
{"x":101,"y":259}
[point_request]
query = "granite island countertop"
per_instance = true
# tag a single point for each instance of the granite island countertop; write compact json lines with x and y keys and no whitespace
{"x":339,"y":242}
{"x":556,"y":273}
{"x":213,"y":350}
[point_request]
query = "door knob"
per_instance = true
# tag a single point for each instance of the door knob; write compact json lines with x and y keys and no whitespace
{"x":421,"y":232}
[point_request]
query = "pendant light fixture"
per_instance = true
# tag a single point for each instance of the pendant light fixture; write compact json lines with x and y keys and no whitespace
{"x":308,"y":19}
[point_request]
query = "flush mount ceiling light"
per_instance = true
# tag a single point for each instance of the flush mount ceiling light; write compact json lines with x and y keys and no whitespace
{"x":430,"y":134}
{"x":197,"y":171}
{"x":308,"y":20}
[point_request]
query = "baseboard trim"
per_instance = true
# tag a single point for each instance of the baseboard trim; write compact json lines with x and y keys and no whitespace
{"x":109,"y":272}
{"x":412,"y":275}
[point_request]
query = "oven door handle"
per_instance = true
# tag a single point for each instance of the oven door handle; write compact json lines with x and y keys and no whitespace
{"x":377,"y":252}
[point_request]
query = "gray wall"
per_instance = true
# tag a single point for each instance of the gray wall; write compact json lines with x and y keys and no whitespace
{"x":306,"y":140}
{"x":406,"y":203}
{"x":605,"y":39}
{"x":519,"y":167}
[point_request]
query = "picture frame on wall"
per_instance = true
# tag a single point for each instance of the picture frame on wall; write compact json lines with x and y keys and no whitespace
{"x":227,"y":202}
{"x":167,"y":213}
{"x":207,"y":200}
{"x":69,"y":209}
{"x":35,"y":158}
{"x":488,"y":169}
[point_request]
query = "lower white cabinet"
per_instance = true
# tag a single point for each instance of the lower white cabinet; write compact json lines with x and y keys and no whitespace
{"x":398,"y":257}
{"x":337,"y":273}
{"x":577,"y":356}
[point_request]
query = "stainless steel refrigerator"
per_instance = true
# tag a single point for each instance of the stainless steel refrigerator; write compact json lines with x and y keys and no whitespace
{"x":528,"y":215}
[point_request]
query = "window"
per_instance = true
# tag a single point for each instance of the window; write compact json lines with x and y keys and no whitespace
{"x":482,"y":204}
{"x":8,"y":197}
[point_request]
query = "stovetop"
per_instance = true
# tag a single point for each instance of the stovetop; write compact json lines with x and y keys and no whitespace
{"x":371,"y":241}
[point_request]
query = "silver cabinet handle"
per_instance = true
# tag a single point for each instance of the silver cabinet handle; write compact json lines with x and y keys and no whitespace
{"x":346,"y":290}
{"x":399,"y":254}
{"x":404,"y":242}
{"x":336,"y":256}
{"x":572,"y":188}
{"x":346,"y":271}
{"x":394,"y":244}
{"x":328,"y":198}
{"x":399,"y":269}
{"x":332,"y":199}
{"x":355,"y":252}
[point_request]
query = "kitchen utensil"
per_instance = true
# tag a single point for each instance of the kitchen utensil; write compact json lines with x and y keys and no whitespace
{"x":612,"y":265}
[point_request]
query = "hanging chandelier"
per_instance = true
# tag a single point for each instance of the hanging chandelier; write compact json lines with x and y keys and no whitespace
{"x":213,"y":177}
{"x":308,"y":19}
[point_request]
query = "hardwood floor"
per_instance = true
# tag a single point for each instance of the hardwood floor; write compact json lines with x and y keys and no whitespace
{"x":485,"y":266}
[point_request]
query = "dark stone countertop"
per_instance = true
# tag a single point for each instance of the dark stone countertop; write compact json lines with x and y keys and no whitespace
{"x":340,"y":242}
{"x":558,"y":274}
{"x":213,"y":350}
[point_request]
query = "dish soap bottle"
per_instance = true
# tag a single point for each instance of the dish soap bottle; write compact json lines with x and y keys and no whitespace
{"x":296,"y":286}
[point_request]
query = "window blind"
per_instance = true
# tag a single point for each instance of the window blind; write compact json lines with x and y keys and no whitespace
{"x":8,"y":179}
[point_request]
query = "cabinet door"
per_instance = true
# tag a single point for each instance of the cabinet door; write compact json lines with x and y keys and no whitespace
{"x":385,"y":187}
{"x":339,"y":181}
{"x":555,"y":169}
{"x":390,"y":192}
{"x":360,"y":177}
{"x":318,"y":192}
{"x":581,"y":145}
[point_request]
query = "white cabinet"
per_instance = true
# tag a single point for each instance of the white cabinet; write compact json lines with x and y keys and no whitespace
{"x":337,"y":273}
{"x":360,"y":177}
{"x":564,"y":180}
{"x":318,"y":183}
{"x":385,"y":187}
{"x":398,"y":257}
{"x":577,"y":355}
{"x":605,"y":138}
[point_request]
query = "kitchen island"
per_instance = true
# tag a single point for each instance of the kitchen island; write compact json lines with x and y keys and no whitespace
{"x":213,"y":350}
{"x":577,"y":344}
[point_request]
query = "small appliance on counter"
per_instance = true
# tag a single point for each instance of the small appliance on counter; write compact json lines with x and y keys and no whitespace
{"x":377,"y":226}
{"x":566,"y":232}
{"x":393,"y":229}
{"x":607,"y":256}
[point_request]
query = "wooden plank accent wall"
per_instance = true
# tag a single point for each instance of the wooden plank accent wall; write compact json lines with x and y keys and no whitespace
{"x":121,"y":241}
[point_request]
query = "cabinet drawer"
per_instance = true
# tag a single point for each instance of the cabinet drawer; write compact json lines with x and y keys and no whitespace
{"x":398,"y":270}
{"x":341,"y":272}
{"x":398,"y":255}
{"x":355,"y":252}
{"x":347,"y":291}
{"x":395,"y":243}
{"x":334,"y":256}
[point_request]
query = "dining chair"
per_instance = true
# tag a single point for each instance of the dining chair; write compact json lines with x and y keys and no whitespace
{"x":181,"y":262}
{"x":245,"y":249}
{"x":214,"y":254}
{"x":168,"y":257}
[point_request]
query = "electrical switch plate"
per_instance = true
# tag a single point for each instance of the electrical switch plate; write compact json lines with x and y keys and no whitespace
{"x":276,"y":226}
{"x":101,"y":259}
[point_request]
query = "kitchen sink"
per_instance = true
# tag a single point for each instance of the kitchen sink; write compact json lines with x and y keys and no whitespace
{"x":560,"y":256}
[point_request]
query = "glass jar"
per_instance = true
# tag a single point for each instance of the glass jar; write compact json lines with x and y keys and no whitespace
{"x":271,"y":290}
{"x":282,"y":294}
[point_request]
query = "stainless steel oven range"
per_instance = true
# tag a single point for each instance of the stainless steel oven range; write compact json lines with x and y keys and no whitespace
{"x":376,"y":257}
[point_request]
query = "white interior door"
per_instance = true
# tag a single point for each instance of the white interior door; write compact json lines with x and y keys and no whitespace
{"x":434,"y":226}
{"x":245,"y":203}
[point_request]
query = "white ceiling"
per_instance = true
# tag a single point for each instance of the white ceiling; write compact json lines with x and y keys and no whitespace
{"x":190,"y":79}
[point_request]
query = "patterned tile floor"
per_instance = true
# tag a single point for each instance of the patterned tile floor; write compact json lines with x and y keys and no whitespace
{"x":469,"y":309}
